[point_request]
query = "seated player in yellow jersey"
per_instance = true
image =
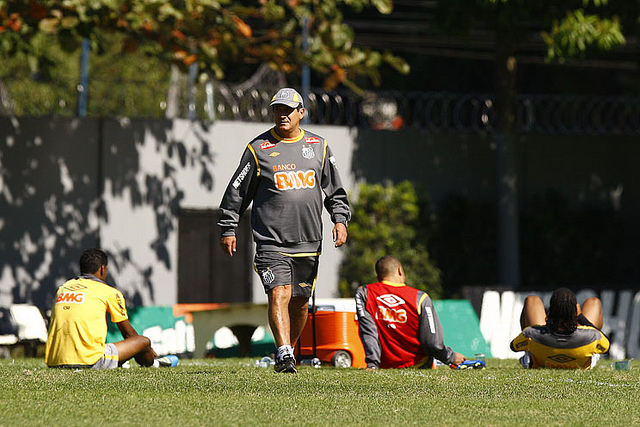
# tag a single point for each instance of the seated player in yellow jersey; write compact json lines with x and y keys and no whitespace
{"x":78,"y":327}
{"x":568,"y":336}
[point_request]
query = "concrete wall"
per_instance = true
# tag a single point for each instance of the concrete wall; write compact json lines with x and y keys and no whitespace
{"x":587,"y":170}
{"x":51,"y":178}
{"x":182,"y":164}
{"x":48,"y":203}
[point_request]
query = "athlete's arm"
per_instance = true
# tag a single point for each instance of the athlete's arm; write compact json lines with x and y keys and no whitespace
{"x":431,"y":335}
{"x":367,"y":330}
{"x":236,"y":199}
{"x":126,"y":329}
{"x":336,"y":201}
{"x":134,"y":345}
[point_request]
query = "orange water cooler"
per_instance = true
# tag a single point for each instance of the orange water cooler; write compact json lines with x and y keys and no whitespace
{"x":337,"y":342}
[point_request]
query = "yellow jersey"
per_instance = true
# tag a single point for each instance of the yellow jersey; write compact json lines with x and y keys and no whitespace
{"x":78,"y":327}
{"x":557,"y":350}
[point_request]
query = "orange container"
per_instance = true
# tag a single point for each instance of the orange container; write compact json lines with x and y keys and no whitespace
{"x":337,"y":340}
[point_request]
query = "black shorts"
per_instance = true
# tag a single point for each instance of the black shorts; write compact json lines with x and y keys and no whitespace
{"x":278,"y":269}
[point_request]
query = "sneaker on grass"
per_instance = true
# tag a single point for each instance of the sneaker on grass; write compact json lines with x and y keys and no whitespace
{"x":526,"y":361}
{"x":286,"y":364}
{"x":169,"y":361}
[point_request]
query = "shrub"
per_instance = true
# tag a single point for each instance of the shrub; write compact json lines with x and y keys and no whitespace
{"x":393,"y":220}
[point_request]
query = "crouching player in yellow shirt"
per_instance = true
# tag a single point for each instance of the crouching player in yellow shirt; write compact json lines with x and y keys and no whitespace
{"x":568,"y":336}
{"x":78,"y":327}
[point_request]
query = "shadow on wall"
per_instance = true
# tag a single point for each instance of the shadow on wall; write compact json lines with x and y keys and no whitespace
{"x":142,"y":161}
{"x":52,"y":176}
{"x":48,"y":202}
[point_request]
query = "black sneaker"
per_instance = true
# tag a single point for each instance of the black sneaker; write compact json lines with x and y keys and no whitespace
{"x":286,"y":364}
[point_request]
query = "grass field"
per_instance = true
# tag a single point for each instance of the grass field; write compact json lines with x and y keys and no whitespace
{"x":233,"y":392}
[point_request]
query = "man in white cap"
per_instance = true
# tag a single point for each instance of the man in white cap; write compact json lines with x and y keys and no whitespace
{"x":288,"y":173}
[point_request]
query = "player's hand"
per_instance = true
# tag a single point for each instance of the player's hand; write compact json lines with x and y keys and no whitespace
{"x":340,"y":234}
{"x":458,"y":359}
{"x":228,"y":245}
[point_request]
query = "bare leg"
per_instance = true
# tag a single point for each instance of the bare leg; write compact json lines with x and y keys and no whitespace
{"x":592,"y":310}
{"x":533,"y":312}
{"x":139,"y":347}
{"x":279,"y":321}
{"x":298,"y":314}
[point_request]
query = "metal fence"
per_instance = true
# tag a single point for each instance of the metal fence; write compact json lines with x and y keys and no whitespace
{"x":384,"y":110}
{"x":448,"y":112}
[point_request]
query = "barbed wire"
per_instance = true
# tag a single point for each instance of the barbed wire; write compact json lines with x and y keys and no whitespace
{"x":383,"y":110}
{"x":451,"y":112}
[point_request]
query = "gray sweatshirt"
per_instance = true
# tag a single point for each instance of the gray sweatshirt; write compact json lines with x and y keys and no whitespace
{"x":286,"y":180}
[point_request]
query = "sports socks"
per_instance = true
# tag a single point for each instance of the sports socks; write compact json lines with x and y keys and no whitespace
{"x":282,"y":350}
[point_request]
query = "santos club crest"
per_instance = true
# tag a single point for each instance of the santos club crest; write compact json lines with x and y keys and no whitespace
{"x":307,"y":152}
{"x":268,"y":276}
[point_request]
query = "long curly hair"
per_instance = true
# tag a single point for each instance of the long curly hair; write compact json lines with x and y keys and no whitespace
{"x":562,"y":315}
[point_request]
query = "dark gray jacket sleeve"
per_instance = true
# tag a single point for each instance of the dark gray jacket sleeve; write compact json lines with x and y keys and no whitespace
{"x":431,"y":335}
{"x":367,"y":330}
{"x":336,"y":201}
{"x":239,"y":194}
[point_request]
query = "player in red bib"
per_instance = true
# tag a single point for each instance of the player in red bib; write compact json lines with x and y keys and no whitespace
{"x":398,"y":325}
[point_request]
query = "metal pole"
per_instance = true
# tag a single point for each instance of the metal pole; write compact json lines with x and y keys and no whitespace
{"x":306,"y":74}
{"x":211,"y":106}
{"x":508,"y":211}
{"x":193,"y":74}
{"x":83,"y":87}
{"x":313,"y":325}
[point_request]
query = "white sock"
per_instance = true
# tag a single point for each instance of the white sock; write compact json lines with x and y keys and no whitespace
{"x":282,"y":350}
{"x":156,"y":364}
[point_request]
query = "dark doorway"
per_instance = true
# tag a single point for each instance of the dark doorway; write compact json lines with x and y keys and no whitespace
{"x":205,"y":273}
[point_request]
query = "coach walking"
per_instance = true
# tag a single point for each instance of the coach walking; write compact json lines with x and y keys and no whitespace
{"x":285,"y":172}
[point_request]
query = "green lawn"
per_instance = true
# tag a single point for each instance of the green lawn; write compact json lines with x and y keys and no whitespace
{"x":234,"y":392}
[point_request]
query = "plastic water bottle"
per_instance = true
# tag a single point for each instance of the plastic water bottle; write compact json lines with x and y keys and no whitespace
{"x":315,"y":362}
{"x":265,"y":362}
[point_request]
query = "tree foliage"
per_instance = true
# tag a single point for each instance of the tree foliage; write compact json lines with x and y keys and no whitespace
{"x":569,"y":28}
{"x":577,"y":27}
{"x":120,"y":84}
{"x":389,"y":220}
{"x":209,"y":33}
{"x":577,"y":32}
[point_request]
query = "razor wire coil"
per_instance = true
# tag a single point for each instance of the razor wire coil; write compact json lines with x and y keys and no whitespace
{"x":384,"y":110}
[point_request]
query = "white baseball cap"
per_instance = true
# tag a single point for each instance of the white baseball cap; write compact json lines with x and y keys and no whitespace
{"x":287,"y":96}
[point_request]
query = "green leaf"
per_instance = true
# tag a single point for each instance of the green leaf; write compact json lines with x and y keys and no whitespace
{"x":383,"y":6}
{"x":49,"y":25}
{"x":69,"y":22}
